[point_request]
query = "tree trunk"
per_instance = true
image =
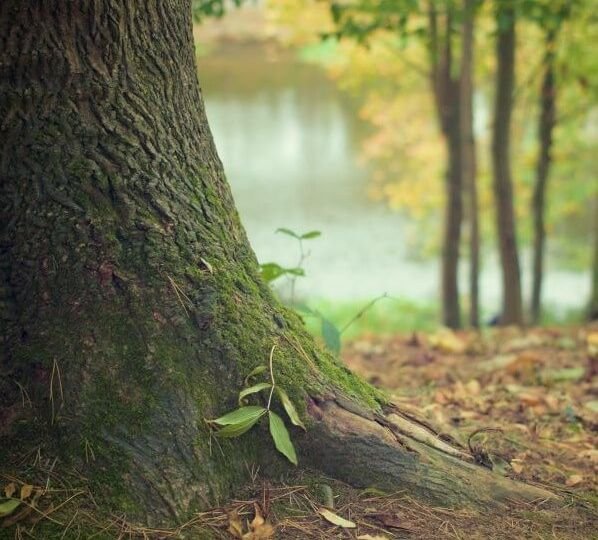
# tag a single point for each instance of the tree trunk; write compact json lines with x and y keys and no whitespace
{"x":468,"y":158}
{"x":512,"y":312}
{"x":593,"y":305}
{"x":446,"y":96}
{"x":132,"y":306}
{"x":545,"y":126}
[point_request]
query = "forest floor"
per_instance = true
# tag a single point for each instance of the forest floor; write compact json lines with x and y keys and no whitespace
{"x":529,"y":399}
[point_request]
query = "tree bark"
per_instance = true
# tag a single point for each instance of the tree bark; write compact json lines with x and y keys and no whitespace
{"x":546,"y":124}
{"x":468,"y":158}
{"x":445,"y":89}
{"x":512,"y":312}
{"x":131,"y":303}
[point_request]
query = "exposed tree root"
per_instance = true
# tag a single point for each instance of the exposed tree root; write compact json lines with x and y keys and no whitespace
{"x":396,"y":452}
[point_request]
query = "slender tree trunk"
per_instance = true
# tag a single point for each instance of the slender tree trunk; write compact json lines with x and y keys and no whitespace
{"x":131,"y":303}
{"x":446,"y":95}
{"x":452,"y":228}
{"x":593,"y":305}
{"x":545,"y":127}
{"x":468,"y":158}
{"x":512,"y":312}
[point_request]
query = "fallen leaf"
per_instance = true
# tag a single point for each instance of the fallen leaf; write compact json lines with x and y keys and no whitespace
{"x":9,"y":490}
{"x":440,"y":397}
{"x":235,"y":527}
{"x":259,"y":528}
{"x":447,"y":341}
{"x":524,"y":366}
{"x":529,"y":399}
{"x":517,"y":466}
{"x":8,"y":507}
{"x":17,"y":516}
{"x":263,"y":532}
{"x":564,"y":374}
{"x":473,"y":387}
{"x":370,"y":537}
{"x":574,"y":479}
{"x":258,"y":520}
{"x":592,"y":405}
{"x":336,"y":519}
{"x":525,"y":342}
{"x":552,"y":402}
{"x":26,"y":491}
{"x":592,"y":341}
{"x":590,"y":454}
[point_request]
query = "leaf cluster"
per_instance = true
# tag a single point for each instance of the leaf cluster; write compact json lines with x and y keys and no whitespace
{"x":241,"y":420}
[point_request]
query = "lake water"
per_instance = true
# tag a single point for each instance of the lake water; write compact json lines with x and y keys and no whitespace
{"x":289,"y":141}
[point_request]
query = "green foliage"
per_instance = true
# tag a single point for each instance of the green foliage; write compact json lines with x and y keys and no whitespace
{"x":241,"y":420}
{"x":271,"y":271}
{"x":358,"y":20}
{"x":289,"y":407}
{"x":253,"y":390}
{"x":305,"y":236}
{"x":212,"y":8}
{"x":385,"y":318}
{"x":330,"y":332}
{"x":281,"y":438}
{"x":331,"y":335}
{"x":9,"y":506}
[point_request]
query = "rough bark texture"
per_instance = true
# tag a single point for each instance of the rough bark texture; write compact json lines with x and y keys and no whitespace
{"x":512,"y":312}
{"x":468,"y":158}
{"x":546,"y":124}
{"x":445,"y":88}
{"x":132,"y":307}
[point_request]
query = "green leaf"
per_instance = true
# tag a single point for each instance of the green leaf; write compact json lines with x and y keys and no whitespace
{"x":271,"y":271}
{"x":304,"y":308}
{"x":592,"y":405}
{"x":311,"y":234}
{"x":253,"y":390}
{"x":281,"y":438}
{"x":256,"y":371}
{"x":235,"y":430}
{"x":288,"y":232}
{"x":564,"y":374}
{"x":244,"y":420}
{"x":9,"y":506}
{"x":331,"y":335}
{"x":289,"y":407}
{"x":239,"y":415}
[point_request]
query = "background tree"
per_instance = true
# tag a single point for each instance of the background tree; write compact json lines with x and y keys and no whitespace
{"x":468,"y":157}
{"x":446,"y":92}
{"x":551,"y":20}
{"x":132,"y":303}
{"x":512,"y":312}
{"x":593,"y":305}
{"x":358,"y":21}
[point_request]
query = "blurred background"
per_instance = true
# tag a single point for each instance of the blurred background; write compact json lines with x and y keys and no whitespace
{"x":329,"y":117}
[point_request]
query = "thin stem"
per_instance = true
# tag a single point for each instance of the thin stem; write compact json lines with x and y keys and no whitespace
{"x":271,"y":376}
{"x":299,"y":264}
{"x":362,"y":311}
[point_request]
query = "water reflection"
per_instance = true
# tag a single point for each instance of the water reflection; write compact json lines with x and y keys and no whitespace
{"x":289,"y":140}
